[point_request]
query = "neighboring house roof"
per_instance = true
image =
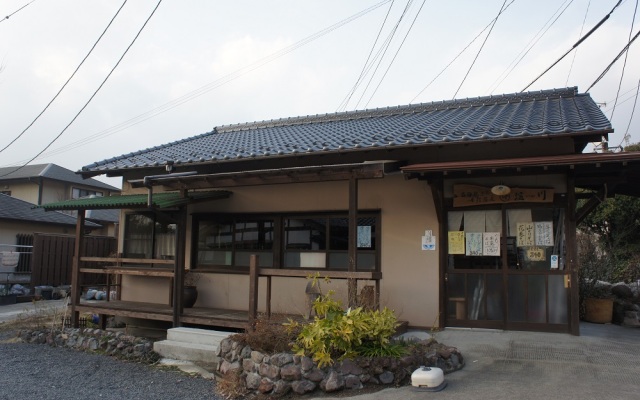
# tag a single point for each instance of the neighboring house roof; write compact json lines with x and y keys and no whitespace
{"x":52,"y":171}
{"x":112,"y":216}
{"x":542,"y":113}
{"x":22,"y":211}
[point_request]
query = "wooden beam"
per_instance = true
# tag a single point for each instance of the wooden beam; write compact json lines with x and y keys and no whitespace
{"x":75,"y":269}
{"x":305,"y":273}
{"x":589,"y":206}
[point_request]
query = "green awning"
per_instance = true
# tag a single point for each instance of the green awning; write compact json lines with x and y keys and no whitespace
{"x":160,"y":200}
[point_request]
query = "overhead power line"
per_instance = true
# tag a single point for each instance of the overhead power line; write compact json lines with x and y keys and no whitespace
{"x":383,"y":50}
{"x":458,"y":55}
{"x":624,"y":65}
{"x":68,"y":80}
{"x":343,"y":104}
{"x":532,"y":43}
{"x":481,"y":47}
{"x":623,"y":51}
{"x":94,"y":93}
{"x":566,"y":83}
{"x":396,"y":54}
{"x":16,"y":11}
{"x":582,"y":39}
{"x":633,"y":110}
{"x":211,"y":85}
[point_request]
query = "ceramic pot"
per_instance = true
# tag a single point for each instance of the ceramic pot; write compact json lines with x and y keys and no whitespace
{"x":189,"y":296}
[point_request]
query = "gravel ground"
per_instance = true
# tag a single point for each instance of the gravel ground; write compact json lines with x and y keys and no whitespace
{"x":35,"y":371}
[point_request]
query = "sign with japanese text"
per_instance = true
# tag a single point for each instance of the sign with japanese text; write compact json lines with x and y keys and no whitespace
{"x":456,"y":242}
{"x":472,"y":195}
{"x":536,"y":254}
{"x":491,"y":243}
{"x":544,"y":233}
{"x":474,"y":244}
{"x":525,"y":236}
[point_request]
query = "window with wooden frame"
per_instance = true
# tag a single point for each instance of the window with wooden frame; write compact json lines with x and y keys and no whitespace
{"x":148,"y":235}
{"x":292,"y":241}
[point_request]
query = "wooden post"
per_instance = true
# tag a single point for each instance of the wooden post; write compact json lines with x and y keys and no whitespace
{"x":254,"y":274}
{"x":268,"y":299}
{"x":572,"y":264}
{"x":178,"y":267}
{"x":75,"y":270}
{"x":352,"y":284}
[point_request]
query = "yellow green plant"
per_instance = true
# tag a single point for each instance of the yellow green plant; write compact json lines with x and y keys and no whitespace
{"x":336,"y":333}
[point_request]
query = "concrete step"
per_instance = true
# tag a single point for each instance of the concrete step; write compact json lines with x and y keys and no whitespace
{"x":196,"y":336}
{"x":191,"y":344}
{"x":186,"y":351}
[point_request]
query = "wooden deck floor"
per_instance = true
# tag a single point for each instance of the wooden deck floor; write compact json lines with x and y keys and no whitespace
{"x":162,"y":312}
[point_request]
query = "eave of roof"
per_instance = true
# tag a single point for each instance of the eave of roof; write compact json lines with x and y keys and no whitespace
{"x":161,"y":200}
{"x":547,"y":113}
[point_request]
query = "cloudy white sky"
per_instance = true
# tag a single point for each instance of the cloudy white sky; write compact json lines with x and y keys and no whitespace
{"x":199,"y":64}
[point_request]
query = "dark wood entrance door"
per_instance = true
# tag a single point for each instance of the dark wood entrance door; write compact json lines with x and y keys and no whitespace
{"x":508,"y":300}
{"x":523,"y":286}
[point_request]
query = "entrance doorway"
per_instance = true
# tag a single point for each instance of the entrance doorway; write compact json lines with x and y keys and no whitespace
{"x":505,"y":269}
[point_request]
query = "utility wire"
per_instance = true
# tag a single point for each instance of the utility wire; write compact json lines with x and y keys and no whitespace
{"x":582,"y":39}
{"x":480,"y":50}
{"x":626,"y":133}
{"x":458,"y":55}
{"x":623,"y":51}
{"x":13,"y":13}
{"x":566,"y":83}
{"x":343,"y":104}
{"x":624,"y":65}
{"x":532,"y":43}
{"x":93,"y":95}
{"x":68,"y":80}
{"x":211,"y":85}
{"x":396,"y":54}
{"x":388,"y":43}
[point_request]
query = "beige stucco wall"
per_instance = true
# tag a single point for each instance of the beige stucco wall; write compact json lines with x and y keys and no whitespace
{"x":23,"y":191}
{"x":410,"y":275}
{"x":8,"y":230}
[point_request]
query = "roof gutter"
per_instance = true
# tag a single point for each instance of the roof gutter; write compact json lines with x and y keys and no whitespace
{"x":148,"y":181}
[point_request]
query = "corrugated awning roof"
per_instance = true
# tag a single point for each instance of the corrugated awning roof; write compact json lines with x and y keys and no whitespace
{"x":160,"y":200}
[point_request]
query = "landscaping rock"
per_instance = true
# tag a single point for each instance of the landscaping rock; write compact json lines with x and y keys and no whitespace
{"x":282,"y":372}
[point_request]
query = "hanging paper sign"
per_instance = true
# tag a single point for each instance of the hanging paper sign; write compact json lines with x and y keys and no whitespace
{"x":474,"y":244}
{"x":472,"y":195}
{"x":428,"y":241}
{"x":456,"y":242}
{"x":364,"y":236}
{"x":544,"y":233}
{"x":525,"y":236}
{"x":491,"y":244}
{"x":536,"y":254}
{"x":554,"y":261}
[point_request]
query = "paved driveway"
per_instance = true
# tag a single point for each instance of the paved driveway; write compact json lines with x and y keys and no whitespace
{"x":603,"y":363}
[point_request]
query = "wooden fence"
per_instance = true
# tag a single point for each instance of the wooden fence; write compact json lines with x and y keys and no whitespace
{"x":53,"y":257}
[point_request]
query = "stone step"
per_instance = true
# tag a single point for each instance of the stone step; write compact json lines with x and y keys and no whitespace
{"x":194,"y":352}
{"x":196,"y":336}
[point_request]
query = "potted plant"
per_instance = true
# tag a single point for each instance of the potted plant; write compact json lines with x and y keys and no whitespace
{"x":596,"y":300}
{"x":190,"y":293}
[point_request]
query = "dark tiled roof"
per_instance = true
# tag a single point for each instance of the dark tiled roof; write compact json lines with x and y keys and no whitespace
{"x":19,"y":210}
{"x":52,"y":171}
{"x":490,"y":118}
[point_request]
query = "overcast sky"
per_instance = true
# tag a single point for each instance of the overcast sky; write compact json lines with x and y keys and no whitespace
{"x":199,"y":64}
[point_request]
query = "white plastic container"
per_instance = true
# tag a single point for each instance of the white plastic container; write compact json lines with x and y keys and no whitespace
{"x":429,"y":379}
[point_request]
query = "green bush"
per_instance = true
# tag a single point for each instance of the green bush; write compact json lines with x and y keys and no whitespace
{"x":336,"y":333}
